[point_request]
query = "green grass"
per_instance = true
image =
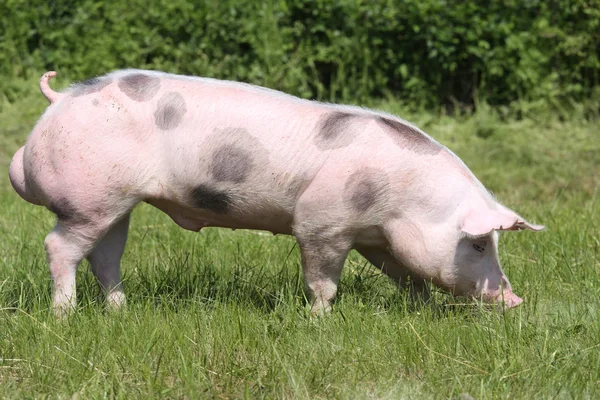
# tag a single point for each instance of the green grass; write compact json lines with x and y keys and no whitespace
{"x":223,"y":314}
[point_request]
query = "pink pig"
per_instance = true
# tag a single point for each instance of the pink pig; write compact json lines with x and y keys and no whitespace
{"x":218,"y":153}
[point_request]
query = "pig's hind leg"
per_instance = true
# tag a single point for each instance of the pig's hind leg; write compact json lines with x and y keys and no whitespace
{"x":417,"y":287}
{"x":105,"y":262}
{"x":74,"y":237}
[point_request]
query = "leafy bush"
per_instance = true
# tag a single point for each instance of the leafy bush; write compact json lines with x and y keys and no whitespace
{"x":519,"y":54}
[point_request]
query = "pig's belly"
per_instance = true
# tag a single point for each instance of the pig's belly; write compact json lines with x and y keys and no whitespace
{"x":193,"y":219}
{"x":276,"y":221}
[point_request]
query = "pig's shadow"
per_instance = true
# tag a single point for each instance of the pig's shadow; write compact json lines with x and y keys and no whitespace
{"x":181,"y":283}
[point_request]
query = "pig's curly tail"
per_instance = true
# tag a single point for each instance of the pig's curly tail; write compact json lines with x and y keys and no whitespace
{"x":47,"y":91}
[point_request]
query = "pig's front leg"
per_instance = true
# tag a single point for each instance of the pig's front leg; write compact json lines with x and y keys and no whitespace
{"x":323,"y":251}
{"x":417,"y":287}
{"x":105,"y":262}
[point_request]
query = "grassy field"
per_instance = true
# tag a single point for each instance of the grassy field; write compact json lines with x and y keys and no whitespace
{"x":222,"y":314}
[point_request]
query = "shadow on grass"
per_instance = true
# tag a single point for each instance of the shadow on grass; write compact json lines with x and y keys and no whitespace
{"x":182,"y":281}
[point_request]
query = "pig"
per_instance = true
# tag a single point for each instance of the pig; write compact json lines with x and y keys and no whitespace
{"x":213,"y":153}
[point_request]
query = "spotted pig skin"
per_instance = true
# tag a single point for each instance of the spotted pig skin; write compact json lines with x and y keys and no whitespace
{"x":218,"y":153}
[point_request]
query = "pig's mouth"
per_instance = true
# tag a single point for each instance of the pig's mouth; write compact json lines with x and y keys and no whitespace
{"x":507,"y":298}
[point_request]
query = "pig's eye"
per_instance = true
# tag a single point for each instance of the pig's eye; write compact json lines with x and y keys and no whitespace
{"x":480,"y":247}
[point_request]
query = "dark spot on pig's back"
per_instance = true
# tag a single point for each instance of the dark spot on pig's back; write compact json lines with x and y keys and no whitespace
{"x":211,"y":199}
{"x":409,"y":138}
{"x":139,"y":87}
{"x":334,"y":130}
{"x":170,"y":111}
{"x":333,"y":124}
{"x":231,"y":163}
{"x":365,"y":188}
{"x":88,"y":86}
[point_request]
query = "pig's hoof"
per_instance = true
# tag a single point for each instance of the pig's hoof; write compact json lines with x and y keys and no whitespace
{"x":320,"y":309}
{"x":115,"y":300}
{"x":62,"y":311}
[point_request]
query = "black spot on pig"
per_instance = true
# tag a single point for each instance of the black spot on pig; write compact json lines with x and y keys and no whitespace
{"x":231,"y":163}
{"x":363,"y":196}
{"x":139,"y":87}
{"x":236,"y":156}
{"x":409,"y":138}
{"x":170,"y":111}
{"x":333,"y":125}
{"x":208,"y":198}
{"x":335,"y":130}
{"x":66,"y":211}
{"x":88,"y":86}
{"x":365,"y":188}
{"x":95,"y":102}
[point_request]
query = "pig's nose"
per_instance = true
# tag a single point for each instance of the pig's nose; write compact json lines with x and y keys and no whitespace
{"x":510,"y":299}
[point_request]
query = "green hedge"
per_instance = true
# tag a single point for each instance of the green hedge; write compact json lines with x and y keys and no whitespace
{"x":428,"y":53}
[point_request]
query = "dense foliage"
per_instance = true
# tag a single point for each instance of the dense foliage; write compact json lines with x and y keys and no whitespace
{"x":424,"y":52}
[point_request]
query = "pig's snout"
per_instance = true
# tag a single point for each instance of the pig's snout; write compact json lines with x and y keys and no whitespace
{"x":16,"y":175}
{"x":507,"y":297}
{"x":504,"y":294}
{"x":498,"y":294}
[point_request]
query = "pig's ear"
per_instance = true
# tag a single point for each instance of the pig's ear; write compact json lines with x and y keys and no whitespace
{"x":502,"y":219}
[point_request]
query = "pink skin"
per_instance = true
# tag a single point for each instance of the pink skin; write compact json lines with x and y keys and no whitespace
{"x":215,"y":153}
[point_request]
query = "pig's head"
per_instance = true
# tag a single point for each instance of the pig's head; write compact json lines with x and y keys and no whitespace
{"x":476,"y":263}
